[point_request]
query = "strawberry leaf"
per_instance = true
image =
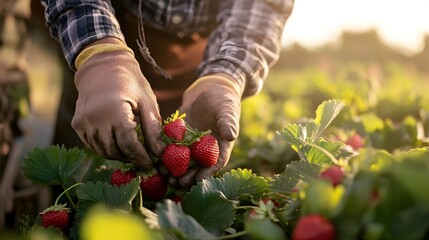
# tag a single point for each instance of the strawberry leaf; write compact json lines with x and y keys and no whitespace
{"x":414,"y":179}
{"x":112,"y":196}
{"x":210,"y":208}
{"x":316,"y":155}
{"x":325,"y":114}
{"x":294,"y":135}
{"x":264,"y":229}
{"x":53,"y":165}
{"x":295,"y":171}
{"x":171,"y":216}
{"x":322,"y":198}
{"x":240,"y":182}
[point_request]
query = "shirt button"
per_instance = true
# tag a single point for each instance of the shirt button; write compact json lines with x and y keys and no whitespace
{"x":177,"y":18}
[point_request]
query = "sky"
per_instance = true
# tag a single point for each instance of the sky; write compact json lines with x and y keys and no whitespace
{"x":401,"y":24}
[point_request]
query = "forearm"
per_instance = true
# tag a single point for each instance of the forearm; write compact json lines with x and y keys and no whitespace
{"x":76,"y":24}
{"x":247,"y":41}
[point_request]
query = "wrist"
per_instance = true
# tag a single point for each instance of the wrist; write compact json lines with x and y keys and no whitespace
{"x":219,"y":79}
{"x":101,"y":46}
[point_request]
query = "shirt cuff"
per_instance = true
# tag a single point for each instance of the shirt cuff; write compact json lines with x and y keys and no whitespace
{"x":78,"y":26}
{"x":249,"y":85}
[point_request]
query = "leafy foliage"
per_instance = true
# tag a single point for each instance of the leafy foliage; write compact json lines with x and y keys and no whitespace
{"x":113,"y":197}
{"x":382,"y":194}
{"x":53,"y":165}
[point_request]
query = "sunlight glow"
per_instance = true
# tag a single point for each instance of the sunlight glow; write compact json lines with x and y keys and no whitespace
{"x":402,"y":24}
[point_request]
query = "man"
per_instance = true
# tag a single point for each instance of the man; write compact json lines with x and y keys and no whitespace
{"x":216,"y":53}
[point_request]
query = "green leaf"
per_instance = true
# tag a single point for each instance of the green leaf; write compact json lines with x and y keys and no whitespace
{"x":411,"y":223}
{"x":322,"y":198}
{"x":371,"y":159}
{"x":293,"y":134}
{"x":358,"y":195}
{"x":53,"y":165}
{"x":240,"y":182}
{"x":210,"y":208}
{"x":325,"y":114}
{"x":171,"y":216}
{"x":264,"y":229}
{"x":415,"y":180}
{"x":316,"y":155}
{"x":295,"y":171}
{"x":113,"y":197}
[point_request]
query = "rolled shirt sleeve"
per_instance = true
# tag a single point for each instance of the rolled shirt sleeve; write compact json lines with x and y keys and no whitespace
{"x":76,"y":24}
{"x":247,"y":41}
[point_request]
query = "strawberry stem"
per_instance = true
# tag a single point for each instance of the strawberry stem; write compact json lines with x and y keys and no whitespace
{"x":68,"y":196}
{"x":247,"y":207}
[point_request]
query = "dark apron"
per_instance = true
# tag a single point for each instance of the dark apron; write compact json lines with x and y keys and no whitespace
{"x":179,"y":56}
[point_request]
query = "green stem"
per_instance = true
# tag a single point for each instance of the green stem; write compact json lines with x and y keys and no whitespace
{"x":68,"y":196}
{"x":141,"y":198}
{"x":247,"y":207}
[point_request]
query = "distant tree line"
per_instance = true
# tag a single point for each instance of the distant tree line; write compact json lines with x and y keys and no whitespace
{"x":353,"y":47}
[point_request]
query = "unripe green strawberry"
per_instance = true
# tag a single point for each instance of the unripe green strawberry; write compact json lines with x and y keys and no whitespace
{"x":55,"y":216}
{"x":175,"y":127}
{"x":205,"y":151}
{"x":120,"y":177}
{"x":176,"y":158}
{"x":153,"y":185}
{"x":313,"y":227}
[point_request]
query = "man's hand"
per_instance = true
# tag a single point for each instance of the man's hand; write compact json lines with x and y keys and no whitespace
{"x":112,"y":90}
{"x":212,"y":102}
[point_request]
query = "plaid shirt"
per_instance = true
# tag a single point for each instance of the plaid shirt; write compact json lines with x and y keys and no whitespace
{"x":244,"y":36}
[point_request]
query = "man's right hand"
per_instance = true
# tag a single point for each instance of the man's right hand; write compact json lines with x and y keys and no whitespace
{"x":112,"y":90}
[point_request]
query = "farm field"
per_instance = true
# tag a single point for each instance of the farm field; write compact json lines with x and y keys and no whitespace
{"x":335,"y":146}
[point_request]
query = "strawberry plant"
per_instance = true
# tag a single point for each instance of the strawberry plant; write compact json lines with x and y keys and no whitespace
{"x":328,"y":192}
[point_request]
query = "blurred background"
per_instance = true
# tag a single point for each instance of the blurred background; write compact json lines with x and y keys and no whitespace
{"x":373,"y":54}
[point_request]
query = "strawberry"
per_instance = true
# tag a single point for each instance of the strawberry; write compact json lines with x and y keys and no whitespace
{"x":176,"y":158}
{"x":205,"y":150}
{"x":175,"y":127}
{"x":334,"y":174}
{"x":356,"y":141}
{"x":153,"y":185}
{"x":55,"y":216}
{"x":313,"y":227}
{"x":177,"y":198}
{"x":120,"y":176}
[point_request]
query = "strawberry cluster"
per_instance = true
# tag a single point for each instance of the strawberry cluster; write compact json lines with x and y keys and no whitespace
{"x":185,"y":146}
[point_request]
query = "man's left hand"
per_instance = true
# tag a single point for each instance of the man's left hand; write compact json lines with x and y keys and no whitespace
{"x":212,"y":102}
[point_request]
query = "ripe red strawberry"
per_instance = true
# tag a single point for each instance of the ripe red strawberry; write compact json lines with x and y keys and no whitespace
{"x":153,"y":185}
{"x":176,"y":158}
{"x":313,"y":227}
{"x":334,"y":174}
{"x":205,"y":151}
{"x":175,"y":130}
{"x":175,"y":127}
{"x":177,"y":198}
{"x":55,"y":216}
{"x":120,"y":177}
{"x":356,"y":141}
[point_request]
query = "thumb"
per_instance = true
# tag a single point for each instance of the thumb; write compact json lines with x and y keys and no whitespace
{"x":228,"y":123}
{"x":151,"y":128}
